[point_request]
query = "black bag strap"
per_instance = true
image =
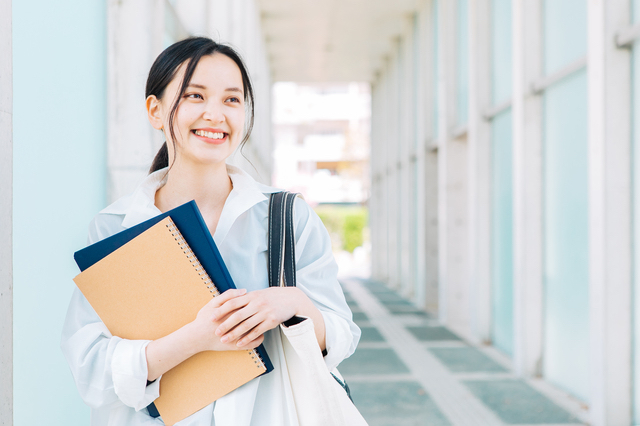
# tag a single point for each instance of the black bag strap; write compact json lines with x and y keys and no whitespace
{"x":282,"y":251}
{"x":282,"y":245}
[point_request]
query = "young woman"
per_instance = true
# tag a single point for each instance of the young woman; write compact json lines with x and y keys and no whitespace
{"x":199,"y":94}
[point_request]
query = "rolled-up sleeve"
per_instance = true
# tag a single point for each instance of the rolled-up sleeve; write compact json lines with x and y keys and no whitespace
{"x":317,"y":273}
{"x":107,"y":370}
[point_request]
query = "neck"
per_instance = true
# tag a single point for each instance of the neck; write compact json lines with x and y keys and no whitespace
{"x":208,"y":185}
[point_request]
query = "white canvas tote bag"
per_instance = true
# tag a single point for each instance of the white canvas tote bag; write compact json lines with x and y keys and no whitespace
{"x":319,"y":398}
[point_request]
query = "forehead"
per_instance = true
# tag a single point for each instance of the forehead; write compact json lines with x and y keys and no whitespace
{"x":217,"y":70}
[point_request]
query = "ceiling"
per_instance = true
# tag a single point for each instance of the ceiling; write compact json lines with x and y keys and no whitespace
{"x":331,"y":40}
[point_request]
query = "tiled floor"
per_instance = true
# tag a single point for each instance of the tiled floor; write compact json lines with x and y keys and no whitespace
{"x":409,"y":371}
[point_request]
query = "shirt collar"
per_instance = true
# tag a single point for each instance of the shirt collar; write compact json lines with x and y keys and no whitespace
{"x":140,"y":205}
{"x":245,"y":194}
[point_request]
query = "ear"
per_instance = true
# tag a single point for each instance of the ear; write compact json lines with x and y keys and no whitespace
{"x":154,"y":112}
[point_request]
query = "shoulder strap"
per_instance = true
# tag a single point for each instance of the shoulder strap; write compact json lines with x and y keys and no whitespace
{"x":282,"y":257}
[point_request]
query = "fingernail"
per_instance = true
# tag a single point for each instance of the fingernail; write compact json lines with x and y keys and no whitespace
{"x":241,"y":343}
{"x":218,"y":332}
{"x":225,"y":339}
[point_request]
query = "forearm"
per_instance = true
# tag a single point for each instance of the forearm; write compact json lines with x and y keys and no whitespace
{"x":308,"y":309}
{"x":167,"y":352}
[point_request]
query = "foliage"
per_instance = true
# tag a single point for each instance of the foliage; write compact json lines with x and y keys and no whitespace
{"x":346,"y":225}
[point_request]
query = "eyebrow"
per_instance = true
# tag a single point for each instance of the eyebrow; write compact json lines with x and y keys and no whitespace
{"x":229,"y":89}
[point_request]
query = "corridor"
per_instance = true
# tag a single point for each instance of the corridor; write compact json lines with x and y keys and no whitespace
{"x":410,"y":371}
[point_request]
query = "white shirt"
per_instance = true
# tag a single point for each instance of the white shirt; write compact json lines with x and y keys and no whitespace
{"x":111,"y":373}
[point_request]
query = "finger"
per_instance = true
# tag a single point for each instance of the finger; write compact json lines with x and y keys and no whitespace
{"x":236,"y":318}
{"x":228,"y":295}
{"x":242,"y":328}
{"x":227,"y":306}
{"x":254,"y":343}
{"x":257,"y":331}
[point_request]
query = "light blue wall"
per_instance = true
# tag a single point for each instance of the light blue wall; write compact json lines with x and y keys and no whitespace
{"x":502,"y":232}
{"x":565,"y":32}
{"x":566,"y":327}
{"x":59,"y":167}
{"x":462,"y":54}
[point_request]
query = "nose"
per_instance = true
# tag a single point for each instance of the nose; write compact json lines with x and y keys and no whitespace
{"x":214,"y":113}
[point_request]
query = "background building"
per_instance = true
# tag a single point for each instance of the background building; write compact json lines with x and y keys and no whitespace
{"x":504,"y":166}
{"x":321,"y":135}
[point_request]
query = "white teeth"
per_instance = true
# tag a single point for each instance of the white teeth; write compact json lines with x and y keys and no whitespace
{"x":210,"y":135}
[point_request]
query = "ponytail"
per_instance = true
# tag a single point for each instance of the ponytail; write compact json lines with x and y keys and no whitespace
{"x":161,"y":160}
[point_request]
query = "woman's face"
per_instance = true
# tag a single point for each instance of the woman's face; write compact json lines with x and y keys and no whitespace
{"x":209,"y":122}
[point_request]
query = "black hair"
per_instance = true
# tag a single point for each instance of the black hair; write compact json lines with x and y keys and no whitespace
{"x":166,"y":66}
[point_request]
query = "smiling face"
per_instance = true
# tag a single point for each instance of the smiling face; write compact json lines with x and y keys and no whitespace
{"x":209,"y":122}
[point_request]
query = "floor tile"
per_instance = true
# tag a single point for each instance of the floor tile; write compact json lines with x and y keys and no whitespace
{"x":371,"y":334}
{"x":404,"y":308}
{"x":373,"y":361}
{"x":396,"y":404}
{"x":515,"y":402}
{"x":432,"y":333}
{"x":390,"y":298}
{"x":360,"y":317}
{"x":353,"y":305}
{"x":467,"y":360}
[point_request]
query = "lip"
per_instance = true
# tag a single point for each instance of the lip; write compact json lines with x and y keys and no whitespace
{"x":208,"y":140}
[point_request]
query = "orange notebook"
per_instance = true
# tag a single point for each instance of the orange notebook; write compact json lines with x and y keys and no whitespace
{"x":152,"y":286}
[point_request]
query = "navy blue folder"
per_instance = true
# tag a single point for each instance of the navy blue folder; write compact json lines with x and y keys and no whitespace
{"x":193,"y":228}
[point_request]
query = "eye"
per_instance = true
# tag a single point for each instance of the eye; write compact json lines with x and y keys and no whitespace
{"x":194,"y":96}
{"x":234,"y":99}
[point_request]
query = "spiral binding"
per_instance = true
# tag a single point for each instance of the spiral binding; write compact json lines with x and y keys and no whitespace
{"x":184,"y":246}
{"x":175,"y":233}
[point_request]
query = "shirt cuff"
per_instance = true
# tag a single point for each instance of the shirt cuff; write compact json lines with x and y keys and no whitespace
{"x":338,"y":339}
{"x":129,"y":370}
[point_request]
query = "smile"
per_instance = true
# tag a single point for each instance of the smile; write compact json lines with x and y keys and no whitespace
{"x":210,"y":135}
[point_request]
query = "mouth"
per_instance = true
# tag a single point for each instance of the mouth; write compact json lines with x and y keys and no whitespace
{"x":214,"y":137}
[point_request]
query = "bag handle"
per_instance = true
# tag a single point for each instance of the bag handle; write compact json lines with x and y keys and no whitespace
{"x":282,"y":246}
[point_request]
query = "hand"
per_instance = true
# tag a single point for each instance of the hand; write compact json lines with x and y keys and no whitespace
{"x":245,"y":318}
{"x":207,"y":322}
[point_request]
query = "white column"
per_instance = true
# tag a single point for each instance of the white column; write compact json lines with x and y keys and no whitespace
{"x":393,"y":153}
{"x":479,"y":140}
{"x":6,"y":216}
{"x":423,"y":123}
{"x":430,"y":179}
{"x":219,"y":20}
{"x":446,"y":50}
{"x":192,"y":15}
{"x":132,"y":142}
{"x":452,"y":183}
{"x":405,"y":130}
{"x":527,"y":188}
{"x":609,"y":85}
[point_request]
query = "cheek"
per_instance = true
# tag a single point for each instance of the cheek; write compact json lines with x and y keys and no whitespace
{"x":239,"y":120}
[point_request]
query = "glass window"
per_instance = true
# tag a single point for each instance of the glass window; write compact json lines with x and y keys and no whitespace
{"x":565,"y":227}
{"x":502,"y":233}
{"x":501,"y":50}
{"x":565,"y":33}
